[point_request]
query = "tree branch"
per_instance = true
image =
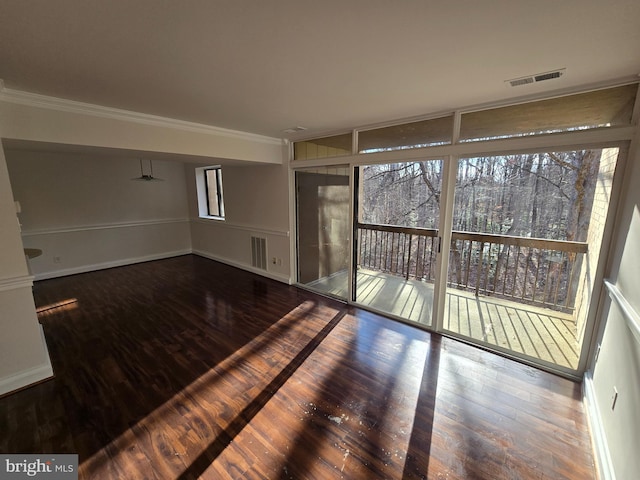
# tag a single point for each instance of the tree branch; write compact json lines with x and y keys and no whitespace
{"x":559,"y":161}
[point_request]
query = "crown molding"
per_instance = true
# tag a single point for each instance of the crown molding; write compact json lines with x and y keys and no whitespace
{"x":63,"y":105}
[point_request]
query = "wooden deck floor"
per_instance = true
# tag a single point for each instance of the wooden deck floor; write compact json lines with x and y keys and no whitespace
{"x":539,"y":333}
{"x":186,"y":368}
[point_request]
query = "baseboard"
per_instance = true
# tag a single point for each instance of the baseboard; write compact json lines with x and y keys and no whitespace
{"x":30,"y":376}
{"x":598,"y":436}
{"x":242,"y":266}
{"x":105,"y":265}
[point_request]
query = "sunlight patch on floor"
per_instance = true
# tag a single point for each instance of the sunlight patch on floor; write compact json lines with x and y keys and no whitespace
{"x":68,"y":304}
{"x":183,"y":412}
{"x":528,"y":330}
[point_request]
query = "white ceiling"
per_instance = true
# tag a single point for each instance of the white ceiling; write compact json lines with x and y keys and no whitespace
{"x":263,"y":66}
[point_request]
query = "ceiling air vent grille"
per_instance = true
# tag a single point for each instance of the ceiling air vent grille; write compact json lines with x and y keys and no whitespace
{"x":521,"y":81}
{"x":539,"y":77}
{"x":547,"y":76}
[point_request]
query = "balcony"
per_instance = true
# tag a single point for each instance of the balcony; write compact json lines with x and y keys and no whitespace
{"x":515,"y":293}
{"x":527,"y":270}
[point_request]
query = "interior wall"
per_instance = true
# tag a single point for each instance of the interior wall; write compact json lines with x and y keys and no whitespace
{"x":617,"y":366}
{"x":256,"y":199}
{"x":23,"y":353}
{"x":84,"y":211}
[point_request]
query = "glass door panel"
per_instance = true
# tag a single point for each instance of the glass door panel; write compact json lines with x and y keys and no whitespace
{"x":527,"y":230}
{"x":323,"y":229}
{"x":397,"y":238}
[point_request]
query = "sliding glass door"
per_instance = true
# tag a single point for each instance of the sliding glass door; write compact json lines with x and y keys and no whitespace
{"x":499,"y":250}
{"x":527,"y":231}
{"x":396,"y":231}
{"x":323,"y":229}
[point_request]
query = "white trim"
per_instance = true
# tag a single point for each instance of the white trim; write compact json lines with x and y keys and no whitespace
{"x":237,"y":226}
{"x":629,"y":313}
{"x":63,"y":105}
{"x":293,"y":221}
{"x":102,"y":226}
{"x":604,"y":465}
{"x":354,"y":142}
{"x":457,"y":123}
{"x":105,"y":265}
{"x":264,"y":273}
{"x":636,"y":108}
{"x":212,"y":217}
{"x":29,"y":376}
{"x":25,"y":378}
{"x":13,"y":283}
{"x":445,"y":228}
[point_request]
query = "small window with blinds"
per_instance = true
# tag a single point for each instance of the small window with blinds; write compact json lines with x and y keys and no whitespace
{"x":425,"y":133}
{"x":325,"y":147}
{"x":597,"y":109}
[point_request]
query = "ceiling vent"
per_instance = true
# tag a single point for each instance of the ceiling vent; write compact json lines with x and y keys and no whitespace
{"x":538,"y":77}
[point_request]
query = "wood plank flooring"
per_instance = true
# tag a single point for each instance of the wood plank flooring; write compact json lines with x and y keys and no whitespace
{"x":186,"y":368}
{"x":500,"y":324}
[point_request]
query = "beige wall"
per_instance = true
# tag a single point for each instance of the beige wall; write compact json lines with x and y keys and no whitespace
{"x":256,"y":201}
{"x":86,"y":213}
{"x":617,"y":366}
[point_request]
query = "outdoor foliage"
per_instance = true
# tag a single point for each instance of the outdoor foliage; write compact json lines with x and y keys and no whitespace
{"x":500,"y":199}
{"x":539,"y":195}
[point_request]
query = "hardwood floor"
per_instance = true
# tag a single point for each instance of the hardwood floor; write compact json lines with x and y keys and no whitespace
{"x":187,"y":368}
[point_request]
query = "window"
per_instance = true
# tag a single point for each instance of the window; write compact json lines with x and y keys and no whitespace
{"x":426,"y":133}
{"x":209,"y":189}
{"x":601,"y":108}
{"x":213,"y":183}
{"x":325,"y":147}
{"x":605,"y":108}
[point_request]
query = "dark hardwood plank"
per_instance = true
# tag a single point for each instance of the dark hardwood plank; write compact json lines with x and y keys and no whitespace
{"x":186,"y":368}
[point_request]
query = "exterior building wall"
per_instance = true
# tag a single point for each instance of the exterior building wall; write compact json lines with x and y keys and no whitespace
{"x":601,"y":198}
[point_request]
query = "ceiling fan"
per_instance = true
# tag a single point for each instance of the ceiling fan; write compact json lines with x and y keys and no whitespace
{"x":147,"y":177}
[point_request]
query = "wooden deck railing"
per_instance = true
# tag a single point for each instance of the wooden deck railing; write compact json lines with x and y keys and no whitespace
{"x":528,"y":270}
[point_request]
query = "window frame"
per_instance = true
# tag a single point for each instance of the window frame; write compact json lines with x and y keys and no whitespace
{"x":219,"y":193}
{"x":202,"y":193}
